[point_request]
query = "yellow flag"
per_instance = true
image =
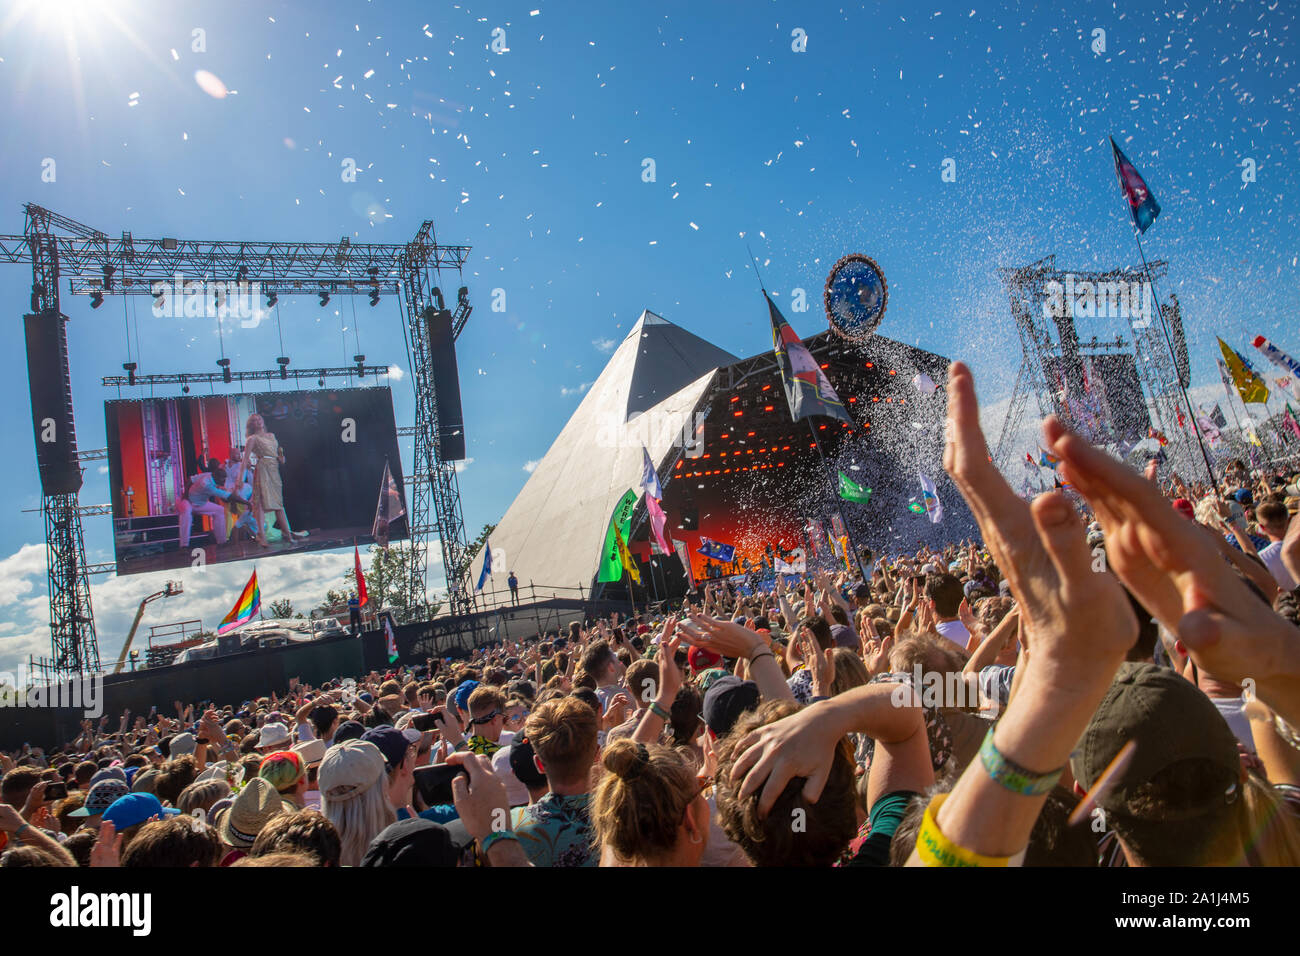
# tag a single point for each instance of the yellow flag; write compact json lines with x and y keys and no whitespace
{"x":625,"y":556}
{"x":1250,"y":386}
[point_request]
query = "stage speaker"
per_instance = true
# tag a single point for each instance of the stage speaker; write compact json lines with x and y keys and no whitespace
{"x":227,"y":644}
{"x":446,"y":385}
{"x":51,"y":391}
{"x":690,"y":517}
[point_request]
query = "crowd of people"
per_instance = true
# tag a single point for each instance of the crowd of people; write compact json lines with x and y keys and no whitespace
{"x":1110,"y":676}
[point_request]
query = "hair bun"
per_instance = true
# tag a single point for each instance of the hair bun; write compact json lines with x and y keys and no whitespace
{"x":627,"y":760}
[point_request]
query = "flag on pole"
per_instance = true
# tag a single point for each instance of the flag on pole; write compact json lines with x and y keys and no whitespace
{"x":1218,"y":417}
{"x":1047,"y":459}
{"x":390,"y":507}
{"x":850,"y":490}
{"x":685,"y":557}
{"x":1142,"y":206}
{"x":1282,"y":361}
{"x":390,"y":639}
{"x":650,"y":477}
{"x":1208,"y":428}
{"x":1249,"y":386}
{"x":487,"y":564}
{"x":930,"y":498}
{"x":658,"y":521}
{"x":611,"y":564}
{"x":726,"y":553}
{"x":1289,"y":417}
{"x":249,"y":603}
{"x":361,"y":578}
{"x":625,"y":556}
{"x":1031,"y":466}
{"x":807,"y":389}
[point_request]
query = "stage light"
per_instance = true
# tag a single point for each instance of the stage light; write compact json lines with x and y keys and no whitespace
{"x":283,"y":362}
{"x":225,"y":369}
{"x":130,"y":372}
{"x":324,"y":299}
{"x":361,"y":365}
{"x":241,"y":274}
{"x":374,"y":298}
{"x":108,"y":277}
{"x":271,"y":300}
{"x":462,"y":296}
{"x":437,"y":297}
{"x":96,"y":299}
{"x":321,"y":381}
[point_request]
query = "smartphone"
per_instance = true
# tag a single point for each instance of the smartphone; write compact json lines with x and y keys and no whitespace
{"x":423,"y":722}
{"x":434,"y":782}
{"x":56,"y":791}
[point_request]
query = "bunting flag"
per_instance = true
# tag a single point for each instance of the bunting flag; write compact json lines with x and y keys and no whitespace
{"x":487,"y":565}
{"x":1249,"y":386}
{"x":725,"y":553}
{"x":650,"y":477}
{"x":245,"y":609}
{"x":625,"y":557}
{"x":930,"y":499}
{"x":658,"y":521}
{"x":807,"y":389}
{"x":390,"y":507}
{"x":390,"y":639}
{"x":850,"y":490}
{"x":611,"y":563}
{"x":361,"y":578}
{"x":685,"y":557}
{"x":1282,"y":361}
{"x":1142,"y":206}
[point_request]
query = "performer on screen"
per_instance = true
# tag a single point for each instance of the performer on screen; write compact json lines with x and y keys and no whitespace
{"x":205,"y":497}
{"x":262,"y":453}
{"x":239,"y":482}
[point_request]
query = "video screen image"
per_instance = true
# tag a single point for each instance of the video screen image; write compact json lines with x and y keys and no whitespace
{"x":231,"y":477}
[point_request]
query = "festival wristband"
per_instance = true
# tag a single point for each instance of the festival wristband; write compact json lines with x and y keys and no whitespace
{"x":486,"y":843}
{"x":659,"y":711}
{"x":1011,"y":775}
{"x":935,"y":849}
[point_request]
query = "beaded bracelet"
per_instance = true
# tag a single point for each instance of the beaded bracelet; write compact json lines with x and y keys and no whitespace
{"x":659,"y":711}
{"x":1011,"y":775}
{"x":935,"y":849}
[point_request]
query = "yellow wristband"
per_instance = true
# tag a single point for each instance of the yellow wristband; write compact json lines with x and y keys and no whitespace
{"x":935,"y":849}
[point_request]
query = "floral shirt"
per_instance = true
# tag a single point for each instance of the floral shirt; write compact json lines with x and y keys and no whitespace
{"x":557,"y":831}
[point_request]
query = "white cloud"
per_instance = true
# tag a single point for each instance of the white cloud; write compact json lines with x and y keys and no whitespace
{"x":606,"y":346}
{"x":576,"y":390}
{"x":395,"y":373}
{"x":463,"y":464}
{"x":531,"y":466}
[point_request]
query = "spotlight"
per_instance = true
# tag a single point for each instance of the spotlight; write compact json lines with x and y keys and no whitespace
{"x":271,"y":300}
{"x":321,"y":381}
{"x":361,"y":365}
{"x":130,"y":372}
{"x":437,"y":297}
{"x":462,"y":295}
{"x":241,"y":274}
{"x":283,"y":362}
{"x":96,"y":299}
{"x":184,"y":387}
{"x":374,"y":297}
{"x":108,"y":277}
{"x":324,"y":299}
{"x":225,"y":369}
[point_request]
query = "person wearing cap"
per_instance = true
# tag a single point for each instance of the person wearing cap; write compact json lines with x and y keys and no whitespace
{"x":1180,"y":795}
{"x":400,"y":754}
{"x":287,"y":772}
{"x":102,"y":795}
{"x":130,"y":812}
{"x":413,"y":842}
{"x":255,"y":805}
{"x":354,"y":796}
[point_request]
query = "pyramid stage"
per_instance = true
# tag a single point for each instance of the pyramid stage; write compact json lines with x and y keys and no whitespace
{"x":734,"y":467}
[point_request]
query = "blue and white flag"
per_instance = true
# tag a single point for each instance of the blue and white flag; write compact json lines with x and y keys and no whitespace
{"x":487,"y":565}
{"x":650,"y":477}
{"x":726,"y":553}
{"x":930,"y":498}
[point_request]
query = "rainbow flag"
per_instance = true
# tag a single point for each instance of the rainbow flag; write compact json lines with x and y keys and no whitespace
{"x":249,"y":603}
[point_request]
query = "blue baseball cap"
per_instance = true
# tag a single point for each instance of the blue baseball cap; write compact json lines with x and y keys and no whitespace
{"x":461,"y":694}
{"x":136,"y":808}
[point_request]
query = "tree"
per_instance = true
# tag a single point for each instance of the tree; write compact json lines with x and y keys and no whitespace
{"x":282,"y":608}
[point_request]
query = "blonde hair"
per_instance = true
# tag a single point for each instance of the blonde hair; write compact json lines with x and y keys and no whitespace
{"x":255,"y":424}
{"x":850,"y":672}
{"x":642,"y":799}
{"x":359,"y":819}
{"x":203,"y":794}
{"x":1270,"y":829}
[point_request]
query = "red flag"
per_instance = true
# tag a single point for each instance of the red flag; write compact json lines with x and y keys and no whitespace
{"x":361,"y":578}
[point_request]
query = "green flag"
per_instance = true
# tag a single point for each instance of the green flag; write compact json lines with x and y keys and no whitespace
{"x":850,"y":490}
{"x":611,"y":563}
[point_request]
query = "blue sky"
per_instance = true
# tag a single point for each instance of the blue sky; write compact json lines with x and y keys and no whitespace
{"x":534,"y":156}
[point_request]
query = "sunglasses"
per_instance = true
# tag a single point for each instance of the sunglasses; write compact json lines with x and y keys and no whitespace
{"x":486,"y":718}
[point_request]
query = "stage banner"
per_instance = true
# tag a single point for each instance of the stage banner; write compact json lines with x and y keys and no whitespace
{"x":685,"y":556}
